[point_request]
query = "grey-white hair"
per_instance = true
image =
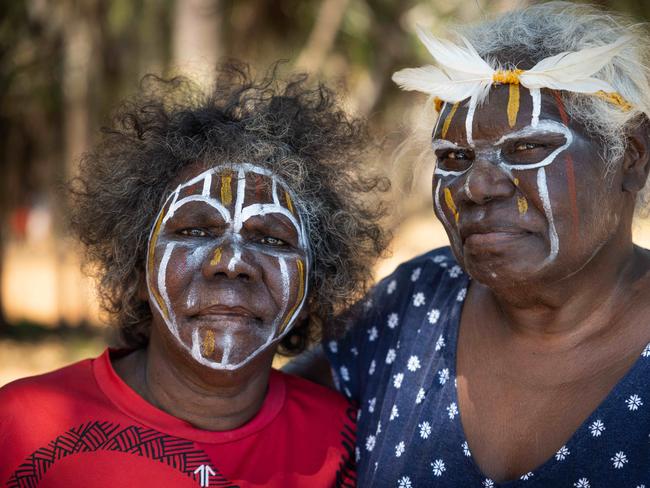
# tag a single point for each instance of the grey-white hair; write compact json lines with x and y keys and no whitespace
{"x":523,"y":37}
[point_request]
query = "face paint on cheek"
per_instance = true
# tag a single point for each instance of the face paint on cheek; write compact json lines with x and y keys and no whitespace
{"x":570,"y":174}
{"x":449,"y":200}
{"x":153,"y":239}
{"x":216,"y":257}
{"x":546,"y":203}
{"x":300,"y":267}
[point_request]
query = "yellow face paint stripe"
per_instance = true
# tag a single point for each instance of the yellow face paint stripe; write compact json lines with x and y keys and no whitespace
{"x":450,"y":203}
{"x":289,"y":202}
{"x":301,"y":291}
{"x":226,"y":192}
{"x":208,"y":343}
{"x":216,"y":257}
{"x":522,"y":205}
{"x":513,"y":105}
{"x":150,"y":264}
{"x":450,"y":116}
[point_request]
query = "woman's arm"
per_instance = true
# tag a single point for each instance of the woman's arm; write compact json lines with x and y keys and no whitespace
{"x":312,"y":365}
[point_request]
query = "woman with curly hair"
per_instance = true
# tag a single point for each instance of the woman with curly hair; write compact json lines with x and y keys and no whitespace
{"x":221,"y":227}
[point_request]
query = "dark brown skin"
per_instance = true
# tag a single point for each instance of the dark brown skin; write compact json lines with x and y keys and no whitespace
{"x":541,"y":343}
{"x":244,"y":298}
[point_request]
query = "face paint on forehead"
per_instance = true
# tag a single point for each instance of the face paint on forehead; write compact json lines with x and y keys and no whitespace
{"x":237,"y":193}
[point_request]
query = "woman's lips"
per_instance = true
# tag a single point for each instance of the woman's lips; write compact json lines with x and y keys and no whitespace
{"x":494,"y":238}
{"x":224,"y":311}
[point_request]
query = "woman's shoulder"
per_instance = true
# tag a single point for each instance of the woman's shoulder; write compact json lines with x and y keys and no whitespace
{"x":54,"y":383}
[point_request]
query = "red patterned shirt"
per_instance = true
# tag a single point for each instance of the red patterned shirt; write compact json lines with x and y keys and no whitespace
{"x":83,"y":426}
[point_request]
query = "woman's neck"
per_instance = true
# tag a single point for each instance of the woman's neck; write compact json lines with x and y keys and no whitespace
{"x":172,"y":381}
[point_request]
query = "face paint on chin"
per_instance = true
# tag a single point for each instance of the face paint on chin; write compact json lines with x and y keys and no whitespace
{"x":227,"y":264}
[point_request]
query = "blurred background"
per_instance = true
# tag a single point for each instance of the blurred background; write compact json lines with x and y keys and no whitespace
{"x":64,"y":64}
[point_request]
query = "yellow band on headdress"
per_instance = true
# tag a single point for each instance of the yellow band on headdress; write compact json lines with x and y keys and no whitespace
{"x":508,"y":77}
{"x":615,"y":99}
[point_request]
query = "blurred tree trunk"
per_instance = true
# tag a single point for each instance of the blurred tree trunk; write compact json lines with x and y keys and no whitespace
{"x":196,"y":38}
{"x":322,"y":37}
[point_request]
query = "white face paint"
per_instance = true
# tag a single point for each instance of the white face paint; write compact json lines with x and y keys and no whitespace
{"x":494,"y":154}
{"x":227,"y":270}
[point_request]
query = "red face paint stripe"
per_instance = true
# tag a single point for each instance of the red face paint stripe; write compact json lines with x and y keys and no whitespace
{"x":570,"y":173}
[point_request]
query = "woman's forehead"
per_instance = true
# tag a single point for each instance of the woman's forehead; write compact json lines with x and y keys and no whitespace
{"x":507,"y":108}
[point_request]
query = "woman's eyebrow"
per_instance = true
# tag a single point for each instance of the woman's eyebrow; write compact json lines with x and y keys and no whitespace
{"x":544,"y":127}
{"x":437,"y":144}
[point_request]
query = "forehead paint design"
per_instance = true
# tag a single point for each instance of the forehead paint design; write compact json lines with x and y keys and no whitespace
{"x":235,"y":220}
{"x":513,"y":104}
{"x":494,"y":154}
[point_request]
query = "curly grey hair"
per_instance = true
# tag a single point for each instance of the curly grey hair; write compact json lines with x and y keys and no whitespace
{"x":521,"y":38}
{"x":298,"y":132}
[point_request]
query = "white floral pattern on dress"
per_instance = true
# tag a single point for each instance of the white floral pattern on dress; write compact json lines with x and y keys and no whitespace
{"x":443,"y":376}
{"x":619,"y":460}
{"x":393,"y":320}
{"x":634,"y":402}
{"x":371,"y":369}
{"x":466,"y":450}
{"x":433,"y":316}
{"x":415,"y":275}
{"x":562,"y":453}
{"x":373,"y":333}
{"x":413,"y":364}
{"x":404,"y":482}
{"x":390,"y":356}
{"x":399,"y":449}
{"x":391,"y":287}
{"x":596,"y":428}
{"x":527,"y":476}
{"x":438,"y":467}
{"x":345,"y":374}
{"x":488,"y":483}
{"x":455,"y":271}
{"x":370,"y":442}
{"x":440,"y":343}
{"x":646,"y":351}
{"x":420,"y":396}
{"x":418,"y":299}
{"x":371,"y":404}
{"x":582,"y":483}
{"x":425,"y":429}
{"x":394,"y":413}
{"x":397,"y":380}
{"x":452,"y":410}
{"x":461,"y":295}
{"x":334,"y":347}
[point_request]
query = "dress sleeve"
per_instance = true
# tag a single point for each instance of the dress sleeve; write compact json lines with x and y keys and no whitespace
{"x":350,"y":356}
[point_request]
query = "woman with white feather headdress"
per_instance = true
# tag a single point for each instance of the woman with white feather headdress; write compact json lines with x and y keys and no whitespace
{"x":520,"y":355}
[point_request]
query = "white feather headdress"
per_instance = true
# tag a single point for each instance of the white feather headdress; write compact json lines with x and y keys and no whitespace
{"x":462,"y":73}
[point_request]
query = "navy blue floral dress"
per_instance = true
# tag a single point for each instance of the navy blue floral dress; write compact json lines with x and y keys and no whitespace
{"x":399,"y":364}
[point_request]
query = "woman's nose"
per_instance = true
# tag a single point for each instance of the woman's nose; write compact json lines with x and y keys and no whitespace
{"x":486,"y":181}
{"x":231,"y":260}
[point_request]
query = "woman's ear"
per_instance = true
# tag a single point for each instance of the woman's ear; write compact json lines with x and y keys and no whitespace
{"x":636,"y":160}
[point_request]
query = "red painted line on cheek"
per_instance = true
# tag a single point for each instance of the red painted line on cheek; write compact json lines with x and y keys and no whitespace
{"x":570,"y":172}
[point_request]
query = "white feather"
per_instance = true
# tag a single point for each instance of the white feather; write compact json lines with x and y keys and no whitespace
{"x":461,"y":63}
{"x":432,"y":80}
{"x":572,"y":70}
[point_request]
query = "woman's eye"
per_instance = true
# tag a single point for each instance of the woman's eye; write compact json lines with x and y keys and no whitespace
{"x":272,"y":241}
{"x":526,"y":146}
{"x":455,"y":160}
{"x":193,"y":232}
